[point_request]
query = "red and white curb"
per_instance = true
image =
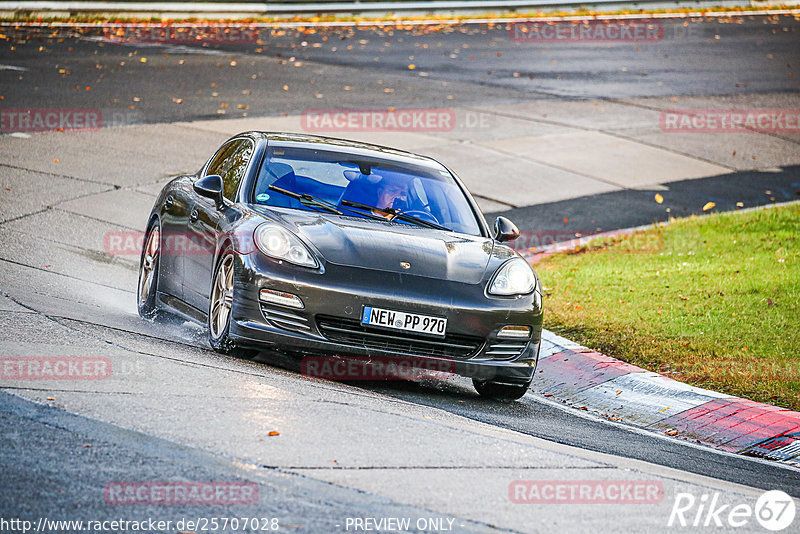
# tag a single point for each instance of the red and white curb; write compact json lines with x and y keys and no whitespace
{"x":591,"y":381}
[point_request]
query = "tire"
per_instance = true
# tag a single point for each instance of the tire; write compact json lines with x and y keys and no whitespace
{"x":220,"y":304}
{"x":493,"y":390}
{"x":147,"y":286}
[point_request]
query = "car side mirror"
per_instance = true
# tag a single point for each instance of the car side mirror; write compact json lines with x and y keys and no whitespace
{"x":210,"y":187}
{"x":505,"y":230}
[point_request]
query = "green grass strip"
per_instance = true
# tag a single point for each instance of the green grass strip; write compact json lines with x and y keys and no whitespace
{"x":713,"y":301}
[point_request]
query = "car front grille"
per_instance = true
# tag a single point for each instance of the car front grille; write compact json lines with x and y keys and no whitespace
{"x":351,"y":332}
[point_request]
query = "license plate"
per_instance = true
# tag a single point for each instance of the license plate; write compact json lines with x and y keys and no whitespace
{"x":410,"y":322}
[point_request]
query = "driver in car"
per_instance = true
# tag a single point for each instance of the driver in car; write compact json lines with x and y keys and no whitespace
{"x":392,"y":193}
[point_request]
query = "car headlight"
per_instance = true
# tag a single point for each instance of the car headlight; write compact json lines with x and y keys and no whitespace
{"x":514,"y":277}
{"x":280,"y":244}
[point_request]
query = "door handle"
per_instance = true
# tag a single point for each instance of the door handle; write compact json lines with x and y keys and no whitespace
{"x":193,"y":217}
{"x":168,"y":203}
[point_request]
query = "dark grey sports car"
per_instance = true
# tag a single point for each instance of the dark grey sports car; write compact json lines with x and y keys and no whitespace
{"x":320,"y":247}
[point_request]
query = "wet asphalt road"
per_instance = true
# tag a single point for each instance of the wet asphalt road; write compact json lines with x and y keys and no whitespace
{"x":732,"y":61}
{"x":476,"y":65}
{"x":58,"y":463}
{"x":363,"y":68}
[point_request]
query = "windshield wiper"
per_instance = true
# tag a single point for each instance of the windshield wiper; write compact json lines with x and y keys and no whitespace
{"x":309,"y":200}
{"x":396,"y":214}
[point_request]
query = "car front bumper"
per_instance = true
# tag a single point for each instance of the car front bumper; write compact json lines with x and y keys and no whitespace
{"x":329,"y":323}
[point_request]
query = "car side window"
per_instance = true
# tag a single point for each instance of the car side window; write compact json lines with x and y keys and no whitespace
{"x":231,"y":163}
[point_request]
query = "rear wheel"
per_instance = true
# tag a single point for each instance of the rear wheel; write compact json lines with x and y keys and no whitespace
{"x":148,"y":274}
{"x":493,"y":390}
{"x":219,"y":311}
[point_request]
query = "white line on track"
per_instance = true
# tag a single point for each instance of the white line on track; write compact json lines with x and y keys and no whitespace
{"x":175,"y":49}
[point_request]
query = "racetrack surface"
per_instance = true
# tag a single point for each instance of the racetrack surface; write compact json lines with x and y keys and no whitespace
{"x":431,"y":448}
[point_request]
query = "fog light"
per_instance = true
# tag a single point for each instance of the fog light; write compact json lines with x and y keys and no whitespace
{"x":284,"y":299}
{"x":513,"y":330}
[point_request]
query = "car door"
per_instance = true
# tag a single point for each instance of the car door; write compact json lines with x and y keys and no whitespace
{"x":231,"y":163}
{"x":174,"y":217}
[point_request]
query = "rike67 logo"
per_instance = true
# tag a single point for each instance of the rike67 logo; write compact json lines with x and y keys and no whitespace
{"x":774,"y":510}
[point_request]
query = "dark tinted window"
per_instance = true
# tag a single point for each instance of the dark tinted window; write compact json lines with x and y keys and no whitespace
{"x":231,"y":163}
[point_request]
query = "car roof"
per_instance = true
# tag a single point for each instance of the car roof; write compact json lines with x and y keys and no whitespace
{"x":347,"y":146}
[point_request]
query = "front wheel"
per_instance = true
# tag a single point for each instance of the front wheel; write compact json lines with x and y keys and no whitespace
{"x":148,"y":274}
{"x":219,"y":311}
{"x":493,"y":390}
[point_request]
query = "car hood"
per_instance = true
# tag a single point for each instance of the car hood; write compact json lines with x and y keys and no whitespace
{"x":365,"y":243}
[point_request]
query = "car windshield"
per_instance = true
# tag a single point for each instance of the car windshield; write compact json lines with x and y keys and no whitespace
{"x":307,"y":179}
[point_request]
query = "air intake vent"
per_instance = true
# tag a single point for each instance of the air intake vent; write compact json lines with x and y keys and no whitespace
{"x":284,"y":319}
{"x":504,"y":351}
